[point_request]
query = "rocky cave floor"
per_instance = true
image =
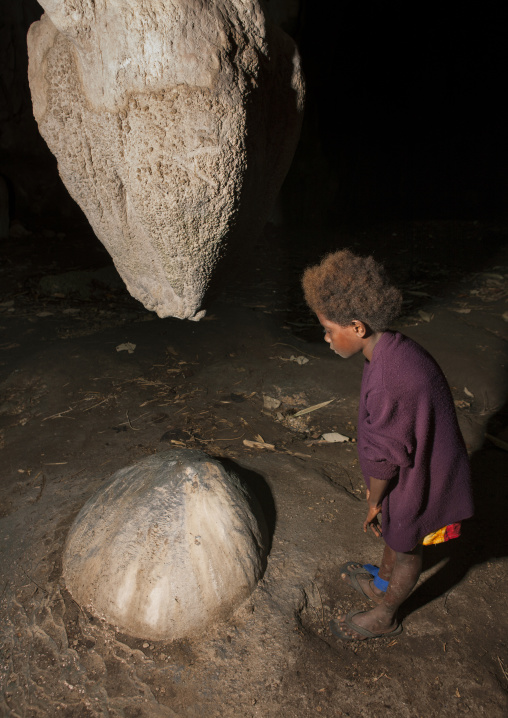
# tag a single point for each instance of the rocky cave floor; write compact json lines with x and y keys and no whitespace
{"x":90,"y":382}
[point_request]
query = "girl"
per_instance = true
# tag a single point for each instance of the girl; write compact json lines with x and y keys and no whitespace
{"x":411,"y":451}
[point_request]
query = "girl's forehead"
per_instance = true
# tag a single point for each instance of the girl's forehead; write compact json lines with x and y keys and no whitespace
{"x":324,"y":321}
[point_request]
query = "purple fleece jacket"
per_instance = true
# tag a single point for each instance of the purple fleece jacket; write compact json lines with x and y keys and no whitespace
{"x":408,"y":434}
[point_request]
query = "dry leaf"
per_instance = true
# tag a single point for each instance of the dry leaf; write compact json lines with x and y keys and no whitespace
{"x":126,"y":347}
{"x":298,"y":360}
{"x":334,"y":437}
{"x":460,"y":310}
{"x":425,"y":316}
{"x":468,"y":393}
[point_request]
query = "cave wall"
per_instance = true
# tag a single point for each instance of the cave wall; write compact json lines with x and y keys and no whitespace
{"x":405,"y":113}
{"x":27,"y":167}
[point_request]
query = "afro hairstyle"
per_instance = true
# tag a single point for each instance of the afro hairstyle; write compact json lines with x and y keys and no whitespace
{"x":344,"y":286}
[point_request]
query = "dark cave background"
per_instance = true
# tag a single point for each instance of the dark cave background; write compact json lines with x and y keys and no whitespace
{"x":405,"y":118}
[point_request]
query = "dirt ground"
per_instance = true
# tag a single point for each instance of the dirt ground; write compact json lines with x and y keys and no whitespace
{"x":90,"y":382}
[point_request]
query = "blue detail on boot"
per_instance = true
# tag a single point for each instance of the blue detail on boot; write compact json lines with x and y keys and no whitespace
{"x":378,"y":582}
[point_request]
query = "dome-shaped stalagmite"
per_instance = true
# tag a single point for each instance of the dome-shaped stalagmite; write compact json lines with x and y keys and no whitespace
{"x":174,"y":123}
{"x":169,"y":546}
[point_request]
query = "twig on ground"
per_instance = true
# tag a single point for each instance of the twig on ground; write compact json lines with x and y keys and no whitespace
{"x":497,"y":442}
{"x":234,"y":438}
{"x":297,"y":454}
{"x":60,"y":413}
{"x":315,"y":407}
{"x":448,"y":593}
{"x":43,"y":484}
{"x":96,"y":405}
{"x":258,"y":445}
{"x":503,"y":668}
{"x":382,"y":675}
{"x":129,"y":422}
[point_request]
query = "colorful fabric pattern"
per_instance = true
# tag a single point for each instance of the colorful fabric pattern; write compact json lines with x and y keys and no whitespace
{"x":445,"y":534}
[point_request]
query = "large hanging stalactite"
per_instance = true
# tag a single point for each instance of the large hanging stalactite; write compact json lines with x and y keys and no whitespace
{"x":173,"y":124}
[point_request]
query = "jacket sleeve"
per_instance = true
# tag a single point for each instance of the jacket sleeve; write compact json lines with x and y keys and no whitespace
{"x":387,"y":438}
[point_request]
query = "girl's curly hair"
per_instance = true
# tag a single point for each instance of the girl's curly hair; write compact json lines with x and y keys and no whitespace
{"x":344,"y":287}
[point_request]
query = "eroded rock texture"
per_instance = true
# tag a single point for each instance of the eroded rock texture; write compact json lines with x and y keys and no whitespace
{"x":173,"y":123}
{"x":166,"y":548}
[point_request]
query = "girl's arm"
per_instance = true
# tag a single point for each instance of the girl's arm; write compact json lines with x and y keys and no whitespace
{"x":375,"y":494}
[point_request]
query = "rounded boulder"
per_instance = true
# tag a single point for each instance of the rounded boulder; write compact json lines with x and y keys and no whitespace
{"x":167,"y":547}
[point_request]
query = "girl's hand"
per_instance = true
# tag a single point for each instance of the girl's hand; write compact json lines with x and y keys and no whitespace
{"x":372,"y":519}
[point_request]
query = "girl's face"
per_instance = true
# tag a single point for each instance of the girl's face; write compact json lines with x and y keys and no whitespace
{"x":344,"y":341}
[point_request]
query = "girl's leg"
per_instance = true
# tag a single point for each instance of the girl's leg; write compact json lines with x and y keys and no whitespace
{"x":403,"y":571}
{"x":387,"y":563}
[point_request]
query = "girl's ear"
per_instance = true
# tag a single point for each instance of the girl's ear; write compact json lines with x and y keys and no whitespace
{"x":359,"y":328}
